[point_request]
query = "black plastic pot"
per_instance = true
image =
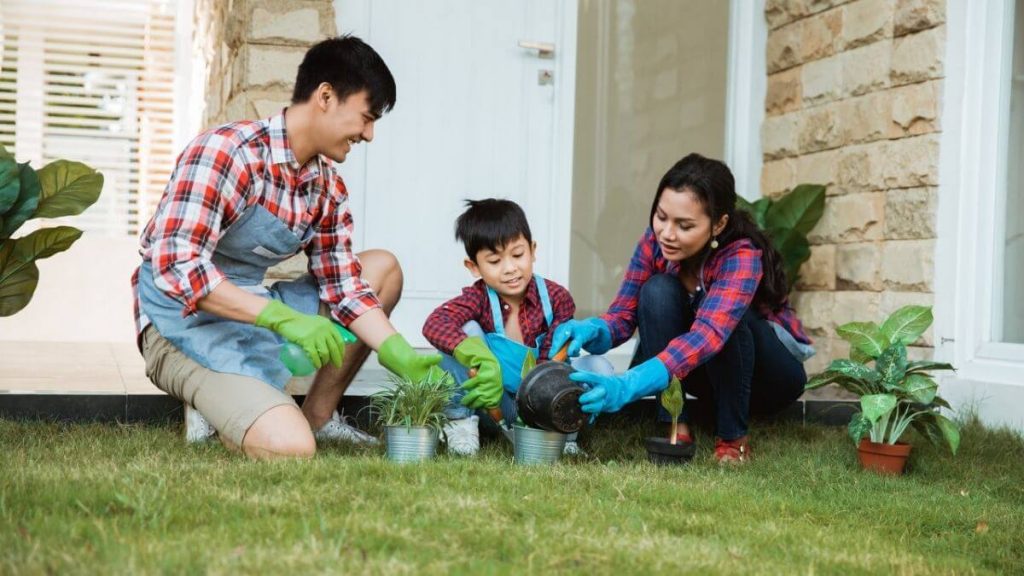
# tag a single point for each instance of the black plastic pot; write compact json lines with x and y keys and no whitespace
{"x":661,"y":452}
{"x":549,"y":400}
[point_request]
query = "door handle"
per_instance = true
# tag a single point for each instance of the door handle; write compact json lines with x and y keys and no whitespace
{"x":544,"y":49}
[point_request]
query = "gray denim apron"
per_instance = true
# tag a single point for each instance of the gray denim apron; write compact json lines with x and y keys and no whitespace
{"x":253,"y":243}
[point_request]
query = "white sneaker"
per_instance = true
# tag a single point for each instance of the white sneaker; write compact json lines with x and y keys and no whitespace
{"x":337,"y":429}
{"x":463,"y":436}
{"x":197,"y":429}
{"x":572,"y":449}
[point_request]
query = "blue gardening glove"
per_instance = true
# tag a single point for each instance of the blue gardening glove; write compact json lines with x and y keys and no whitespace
{"x":609,"y":393}
{"x":591,"y":334}
{"x":483,"y":389}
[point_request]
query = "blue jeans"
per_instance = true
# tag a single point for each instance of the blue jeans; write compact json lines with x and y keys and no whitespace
{"x":509,"y":409}
{"x":753,"y":373}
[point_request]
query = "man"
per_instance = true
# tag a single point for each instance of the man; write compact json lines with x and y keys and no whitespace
{"x":243,"y":197}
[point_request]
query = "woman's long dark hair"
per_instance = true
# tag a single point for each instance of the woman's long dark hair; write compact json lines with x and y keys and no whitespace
{"x":713,"y":184}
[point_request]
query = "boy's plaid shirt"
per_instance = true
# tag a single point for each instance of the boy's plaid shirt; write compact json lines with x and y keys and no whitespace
{"x":216,"y":177}
{"x":443,"y":328}
{"x":731,"y":277}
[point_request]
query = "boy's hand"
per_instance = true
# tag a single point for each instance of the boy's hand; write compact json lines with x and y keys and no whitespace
{"x":592,"y":334}
{"x":399,"y":357}
{"x":316,"y":335}
{"x":484,"y":389}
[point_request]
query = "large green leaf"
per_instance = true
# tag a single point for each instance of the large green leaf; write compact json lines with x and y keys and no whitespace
{"x":874,"y":406}
{"x":859,"y":426}
{"x":892,"y":365}
{"x":68,"y":188}
{"x":919,"y":388}
{"x":757,"y":209}
{"x":25,"y":205}
{"x":794,"y":248}
{"x":907,"y":324}
{"x":830,"y":377}
{"x":672,"y":398}
{"x":858,"y":356}
{"x":940,"y":401}
{"x":926,"y":365}
{"x":798,"y":210}
{"x":864,"y":336}
{"x":855,"y":370}
{"x":18,"y":280}
{"x":950,"y":431}
{"x":9,"y":184}
{"x":45,"y":242}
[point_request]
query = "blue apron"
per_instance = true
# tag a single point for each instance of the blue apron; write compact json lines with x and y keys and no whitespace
{"x":512,"y":354}
{"x":253,"y":243}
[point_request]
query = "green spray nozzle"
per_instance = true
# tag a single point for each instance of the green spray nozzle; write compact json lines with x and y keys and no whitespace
{"x":297,"y":361}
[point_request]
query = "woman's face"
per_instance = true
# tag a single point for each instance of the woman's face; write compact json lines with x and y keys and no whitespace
{"x":681,"y":225}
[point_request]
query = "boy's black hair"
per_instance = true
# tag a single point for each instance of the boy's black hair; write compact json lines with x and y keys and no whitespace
{"x":349,"y":65}
{"x":491,"y":224}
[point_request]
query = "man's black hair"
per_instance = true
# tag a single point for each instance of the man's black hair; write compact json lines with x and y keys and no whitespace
{"x":491,"y":224}
{"x":349,"y":65}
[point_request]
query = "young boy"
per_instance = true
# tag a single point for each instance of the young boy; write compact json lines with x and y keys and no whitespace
{"x":505,"y":315}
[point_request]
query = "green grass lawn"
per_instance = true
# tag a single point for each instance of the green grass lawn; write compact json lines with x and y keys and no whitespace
{"x":106,"y":498}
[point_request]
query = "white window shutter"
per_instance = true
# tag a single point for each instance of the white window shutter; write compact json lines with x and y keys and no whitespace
{"x":93,"y":81}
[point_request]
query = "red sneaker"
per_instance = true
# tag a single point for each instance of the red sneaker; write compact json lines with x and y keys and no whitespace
{"x":684,"y":438}
{"x":732,"y":451}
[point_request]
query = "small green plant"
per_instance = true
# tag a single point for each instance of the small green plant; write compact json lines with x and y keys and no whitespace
{"x":787,"y":221}
{"x":672,"y":400}
{"x":894,"y":393}
{"x":415,"y":403}
{"x":61,"y":188}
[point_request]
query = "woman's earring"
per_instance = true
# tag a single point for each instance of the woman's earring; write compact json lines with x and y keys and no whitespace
{"x":714,"y":243}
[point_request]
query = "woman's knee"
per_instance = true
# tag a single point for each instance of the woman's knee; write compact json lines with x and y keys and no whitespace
{"x":659,"y":291}
{"x":281,"y":432}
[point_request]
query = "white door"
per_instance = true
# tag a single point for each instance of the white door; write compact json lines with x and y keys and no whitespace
{"x":478,"y":115}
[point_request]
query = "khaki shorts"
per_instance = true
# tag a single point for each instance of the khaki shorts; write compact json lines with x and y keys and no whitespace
{"x":229,"y":402}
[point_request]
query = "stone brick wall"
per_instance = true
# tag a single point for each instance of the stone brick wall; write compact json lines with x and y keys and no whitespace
{"x":250,"y":50}
{"x":853,"y":101}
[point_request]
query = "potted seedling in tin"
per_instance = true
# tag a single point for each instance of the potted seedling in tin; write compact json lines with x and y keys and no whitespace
{"x":412,"y":414}
{"x":669,"y":450}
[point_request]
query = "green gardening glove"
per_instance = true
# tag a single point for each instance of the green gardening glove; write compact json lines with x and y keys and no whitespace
{"x":399,"y":357}
{"x":484,"y":388}
{"x":316,"y":335}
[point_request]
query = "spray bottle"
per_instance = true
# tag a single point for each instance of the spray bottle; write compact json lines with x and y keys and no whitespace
{"x":298,"y":363}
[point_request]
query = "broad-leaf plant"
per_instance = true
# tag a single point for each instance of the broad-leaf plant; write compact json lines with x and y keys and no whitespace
{"x":894,"y":392}
{"x":61,"y":188}
{"x":787,"y":221}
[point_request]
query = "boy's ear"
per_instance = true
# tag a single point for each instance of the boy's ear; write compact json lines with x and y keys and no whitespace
{"x":533,"y":251}
{"x":472,"y":267}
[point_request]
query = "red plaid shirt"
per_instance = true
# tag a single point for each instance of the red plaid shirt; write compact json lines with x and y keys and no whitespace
{"x":730,"y":275}
{"x":217,"y":176}
{"x":443,"y":327}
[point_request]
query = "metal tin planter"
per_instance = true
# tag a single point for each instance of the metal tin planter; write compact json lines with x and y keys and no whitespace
{"x":535,"y":446}
{"x":410,"y":444}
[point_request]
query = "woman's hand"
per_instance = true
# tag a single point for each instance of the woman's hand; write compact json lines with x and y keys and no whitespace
{"x":609,"y":393}
{"x":591,"y":334}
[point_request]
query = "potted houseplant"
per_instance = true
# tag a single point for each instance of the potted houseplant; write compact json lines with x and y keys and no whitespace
{"x":531,"y":445}
{"x":61,"y":188}
{"x":412,"y":414}
{"x":895,"y":393}
{"x":787,"y":220}
{"x":669,"y":450}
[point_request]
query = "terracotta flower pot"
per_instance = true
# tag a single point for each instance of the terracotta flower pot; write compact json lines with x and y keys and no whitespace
{"x":883,"y":458}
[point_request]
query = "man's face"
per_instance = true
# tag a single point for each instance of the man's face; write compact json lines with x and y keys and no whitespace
{"x":507,"y":269}
{"x":344,"y":123}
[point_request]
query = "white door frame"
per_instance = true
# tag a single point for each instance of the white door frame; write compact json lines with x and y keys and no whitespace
{"x":555,"y":251}
{"x":972,"y":183}
{"x":745,"y":89}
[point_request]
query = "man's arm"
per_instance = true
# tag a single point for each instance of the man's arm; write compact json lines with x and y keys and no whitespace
{"x":231,"y":302}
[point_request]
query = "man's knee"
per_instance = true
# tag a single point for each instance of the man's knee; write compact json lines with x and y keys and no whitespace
{"x":281,"y":432}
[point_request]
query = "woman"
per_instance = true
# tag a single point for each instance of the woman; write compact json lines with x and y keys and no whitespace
{"x":707,"y":293}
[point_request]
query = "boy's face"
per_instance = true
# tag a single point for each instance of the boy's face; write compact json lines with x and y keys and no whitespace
{"x":343,"y":123}
{"x":507,"y":269}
